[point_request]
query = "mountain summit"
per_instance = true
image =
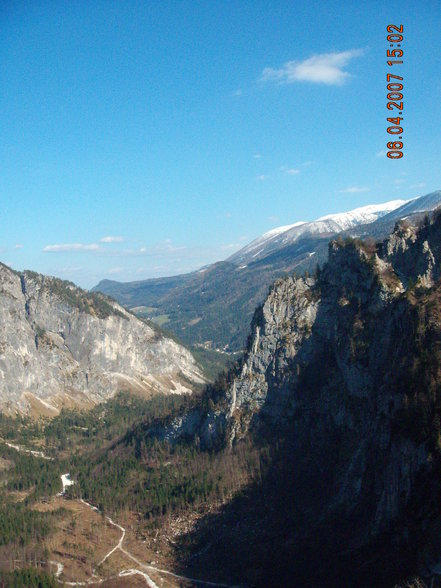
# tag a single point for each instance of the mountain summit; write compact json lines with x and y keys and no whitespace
{"x":331,"y":223}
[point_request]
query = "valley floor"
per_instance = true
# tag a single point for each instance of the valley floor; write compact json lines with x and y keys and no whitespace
{"x":89,"y":548}
{"x":84,"y":545}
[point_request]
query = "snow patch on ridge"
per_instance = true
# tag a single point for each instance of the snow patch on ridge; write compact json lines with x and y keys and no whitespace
{"x":331,"y":223}
{"x":364,"y":214}
{"x":278,"y":230}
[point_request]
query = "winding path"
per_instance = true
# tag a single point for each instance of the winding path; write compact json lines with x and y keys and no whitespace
{"x":131,"y":571}
{"x":67,"y":481}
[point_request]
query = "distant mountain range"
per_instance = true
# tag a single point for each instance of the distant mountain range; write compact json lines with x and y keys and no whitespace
{"x":213,"y":307}
{"x":329,"y":224}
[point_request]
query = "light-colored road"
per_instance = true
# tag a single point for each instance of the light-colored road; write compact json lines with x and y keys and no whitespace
{"x":65,"y":478}
{"x":67,"y":481}
{"x":139,"y":563}
{"x":142,"y":565}
{"x":21,"y":449}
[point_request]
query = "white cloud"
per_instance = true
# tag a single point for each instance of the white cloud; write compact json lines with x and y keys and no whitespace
{"x":261,"y":178}
{"x":163,"y":248}
{"x":325,"y":68}
{"x":354,"y":190}
{"x":229,"y":246}
{"x":166,"y":246}
{"x":18,"y":246}
{"x":110,"y":239}
{"x":66,"y":247}
{"x":257,"y":156}
{"x":289,"y":171}
{"x":381,"y":153}
{"x":420,"y":185}
{"x":69,"y":269}
{"x":399,"y":181}
{"x":115,"y":270}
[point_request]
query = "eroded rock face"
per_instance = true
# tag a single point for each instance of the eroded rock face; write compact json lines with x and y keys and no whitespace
{"x":333,"y":364}
{"x":354,"y":312}
{"x":60,"y":345}
{"x":415,"y":253}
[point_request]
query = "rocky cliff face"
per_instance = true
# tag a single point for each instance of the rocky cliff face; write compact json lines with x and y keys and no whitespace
{"x":346,"y":368}
{"x":60,"y":345}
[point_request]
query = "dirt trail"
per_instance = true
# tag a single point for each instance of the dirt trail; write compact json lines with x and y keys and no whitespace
{"x":132,"y":571}
{"x":95,"y":579}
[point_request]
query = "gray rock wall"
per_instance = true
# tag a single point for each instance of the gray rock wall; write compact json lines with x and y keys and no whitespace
{"x":54,"y":353}
{"x":328,"y":365}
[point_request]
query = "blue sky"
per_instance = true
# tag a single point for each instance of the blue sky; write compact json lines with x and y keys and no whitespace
{"x":143,"y":139}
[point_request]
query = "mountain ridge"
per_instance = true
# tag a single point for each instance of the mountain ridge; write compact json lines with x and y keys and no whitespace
{"x":330,"y":223}
{"x":60,"y":344}
{"x":321,"y":447}
{"x":342,"y":370}
{"x":213,"y":308}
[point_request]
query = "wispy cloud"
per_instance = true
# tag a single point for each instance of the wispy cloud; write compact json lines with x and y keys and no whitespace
{"x":419,"y":185}
{"x":66,"y":247}
{"x":381,"y":153}
{"x":18,"y":246}
{"x":324,"y":68}
{"x":354,"y":190}
{"x":70,"y":269}
{"x":165,"y":247}
{"x":111,"y":239}
{"x":115,"y":270}
{"x":257,"y":156}
{"x":294,"y":171}
{"x":261,"y":178}
{"x":230,"y":246}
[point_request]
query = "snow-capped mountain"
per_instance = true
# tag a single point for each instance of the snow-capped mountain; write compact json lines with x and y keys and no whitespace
{"x":214,"y":307}
{"x":331,"y":223}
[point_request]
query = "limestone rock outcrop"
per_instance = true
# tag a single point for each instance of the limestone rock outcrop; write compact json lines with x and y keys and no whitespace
{"x":345,"y":368}
{"x":60,"y":345}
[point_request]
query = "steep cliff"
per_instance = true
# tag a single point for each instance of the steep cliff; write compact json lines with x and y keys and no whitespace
{"x":61,"y":345}
{"x":343,"y":370}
